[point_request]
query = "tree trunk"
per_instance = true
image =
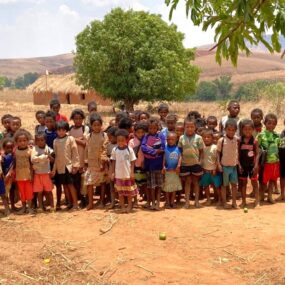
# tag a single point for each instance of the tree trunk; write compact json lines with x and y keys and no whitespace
{"x":129,"y":104}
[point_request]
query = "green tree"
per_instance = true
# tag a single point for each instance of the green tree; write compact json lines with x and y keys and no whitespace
{"x":132,"y":56}
{"x":206,"y":91}
{"x":224,"y":87}
{"x":237,"y":22}
{"x":2,"y":82}
{"x":276,"y":95}
{"x":21,"y":82}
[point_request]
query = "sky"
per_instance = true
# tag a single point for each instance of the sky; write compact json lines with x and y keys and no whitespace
{"x":33,"y":28}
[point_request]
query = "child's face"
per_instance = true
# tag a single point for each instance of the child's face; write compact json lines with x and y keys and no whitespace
{"x":208,"y":139}
{"x":247,"y":131}
{"x":96,"y":127}
{"x":200,"y":130}
{"x":171,"y":125}
{"x":172,"y":139}
{"x":55,"y":108}
{"x":163,"y":113}
{"x":112,"y":123}
{"x":190,"y":128}
{"x":234,"y":110}
{"x":41,"y":142}
{"x":41,"y":119}
{"x":179,"y":130}
{"x":7,"y":123}
{"x":212,"y":124}
{"x":92,"y":109}
{"x":61,"y":133}
{"x":22,"y":142}
{"x":270,"y":125}
{"x":78,"y":121}
{"x":50,"y":123}
{"x":9,"y":148}
{"x":112,"y":139}
{"x":132,"y":117}
{"x":143,"y":118}
{"x":15,"y":125}
{"x":31,"y":143}
{"x":216,"y":137}
{"x":121,"y":141}
{"x":230,"y":131}
{"x":153,"y":129}
{"x":139,"y":133}
{"x":256,"y":118}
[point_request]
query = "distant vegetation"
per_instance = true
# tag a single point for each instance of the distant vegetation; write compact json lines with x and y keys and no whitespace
{"x":21,"y":82}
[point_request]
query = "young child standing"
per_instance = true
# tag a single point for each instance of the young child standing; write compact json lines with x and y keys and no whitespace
{"x":55,"y":107}
{"x":179,"y":130}
{"x":163,"y":111}
{"x":95,"y":159}
{"x":41,"y":157}
{"x":233,"y":108}
{"x":257,"y":117}
{"x":249,"y":160}
{"x":227,"y":155}
{"x":40,"y":116}
{"x":171,"y":120}
{"x":268,"y":141}
{"x":123,"y":163}
{"x":66,"y":163}
{"x":153,"y":145}
{"x":192,"y":147}
{"x":6,"y":123}
{"x":24,"y":170}
{"x":50,"y":130}
{"x":171,"y":169}
{"x":212,"y":123}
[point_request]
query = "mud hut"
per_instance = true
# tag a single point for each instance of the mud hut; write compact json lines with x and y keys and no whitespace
{"x":64,"y":88}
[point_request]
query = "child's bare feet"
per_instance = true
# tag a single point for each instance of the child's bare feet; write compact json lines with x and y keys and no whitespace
{"x":7,"y":212}
{"x":227,"y":206}
{"x":242,"y":205}
{"x":136,"y":205}
{"x":89,"y":207}
{"x":123,"y":210}
{"x":197,"y":205}
{"x":167,"y":206}
{"x":187,"y":205}
{"x":234,"y":205}
{"x":112,"y":206}
{"x":209,"y":202}
{"x":31,"y":212}
{"x":271,"y":200}
{"x":101,"y":205}
{"x":252,"y":194}
{"x":146,"y":206}
{"x":173,"y":206}
{"x":281,"y":198}
{"x":156,"y":208}
{"x":22,"y":211}
{"x":256,"y":204}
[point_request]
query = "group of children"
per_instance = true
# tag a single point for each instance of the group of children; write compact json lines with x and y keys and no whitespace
{"x":139,"y":156}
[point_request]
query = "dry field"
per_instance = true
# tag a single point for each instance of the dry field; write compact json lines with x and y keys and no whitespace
{"x":203,"y":246}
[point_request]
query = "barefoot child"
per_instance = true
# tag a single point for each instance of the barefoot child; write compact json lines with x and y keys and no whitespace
{"x":171,"y":169}
{"x":249,"y":160}
{"x":41,"y":157}
{"x":153,"y":145}
{"x":66,"y":163}
{"x":123,"y":163}
{"x":192,"y":147}
{"x":227,"y":155}
{"x":95,"y":159}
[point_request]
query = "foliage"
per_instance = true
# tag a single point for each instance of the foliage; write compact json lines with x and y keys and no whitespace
{"x":21,"y":82}
{"x":2,"y":82}
{"x":5,"y":82}
{"x":224,"y":86}
{"x":236,"y":23}
{"x":131,"y":56}
{"x":206,"y":91}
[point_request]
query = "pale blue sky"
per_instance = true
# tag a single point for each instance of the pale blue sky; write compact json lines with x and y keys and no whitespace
{"x":30,"y":28}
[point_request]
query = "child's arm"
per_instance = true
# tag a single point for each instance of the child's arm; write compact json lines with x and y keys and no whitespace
{"x":163,"y":165}
{"x":132,"y":169}
{"x":179,"y":164}
{"x":257,"y":155}
{"x":80,"y":141}
{"x":238,"y":158}
{"x":147,"y":149}
{"x":219,"y":150}
{"x":113,"y":161}
{"x":104,"y":157}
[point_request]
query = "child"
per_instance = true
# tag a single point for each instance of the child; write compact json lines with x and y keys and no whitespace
{"x":54,"y":105}
{"x":171,"y":120}
{"x":227,"y":155}
{"x":92,"y":108}
{"x":66,"y":163}
{"x":144,"y":116}
{"x":153,"y":145}
{"x":41,"y":157}
{"x":216,"y":137}
{"x":79,"y":131}
{"x":15,"y":125}
{"x":163,"y":111}
{"x":212,"y":123}
{"x":119,"y":116}
{"x":248,"y":159}
{"x":282,"y":164}
{"x":233,"y":108}
{"x":41,"y":127}
{"x":123,"y":162}
{"x":95,"y":159}
{"x":127,"y":124}
{"x":209,"y":164}
{"x":191,"y":146}
{"x":171,"y":168}
{"x":268,"y":141}
{"x":6,"y":122}
{"x":24,"y":170}
{"x":257,"y":117}
{"x":50,"y":130}
{"x":3,"y":194}
{"x":179,"y":130}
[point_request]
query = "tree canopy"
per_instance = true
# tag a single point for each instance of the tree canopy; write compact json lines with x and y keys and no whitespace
{"x":132,"y":56}
{"x":237,"y":23}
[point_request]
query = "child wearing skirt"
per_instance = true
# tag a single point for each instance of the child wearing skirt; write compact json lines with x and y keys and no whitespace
{"x":172,"y":161}
{"x":123,"y":162}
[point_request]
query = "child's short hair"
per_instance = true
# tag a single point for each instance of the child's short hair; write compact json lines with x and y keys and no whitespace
{"x":120,"y":115}
{"x":163,"y":106}
{"x":246,"y":122}
{"x":171,"y":134}
{"x":144,"y":113}
{"x":201,"y":123}
{"x":122,"y":133}
{"x":171,"y":117}
{"x":92,"y":105}
{"x":20,"y":133}
{"x":95,"y":117}
{"x":212,"y":118}
{"x":180,"y":124}
{"x":194,"y":114}
{"x":231,"y":123}
{"x":6,"y":141}
{"x":51,"y":114}
{"x":190,"y":120}
{"x":207,"y":132}
{"x":54,"y":102}
{"x":257,"y":110}
{"x":112,"y":131}
{"x":154,"y":121}
{"x":40,"y":135}
{"x":141,"y":126}
{"x":62,"y":125}
{"x":5,"y":117}
{"x":77,"y":112}
{"x":125,"y":123}
{"x":232,"y":102}
{"x":16,"y":118}
{"x":269,"y":117}
{"x":40,"y":112}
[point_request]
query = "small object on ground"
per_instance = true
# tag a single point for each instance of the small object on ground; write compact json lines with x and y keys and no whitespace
{"x":162,"y":236}
{"x":46,"y":261}
{"x":245,"y":210}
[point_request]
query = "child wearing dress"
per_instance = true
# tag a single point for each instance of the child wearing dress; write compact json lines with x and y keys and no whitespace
{"x":153,"y":145}
{"x":171,"y":168}
{"x":23,"y":170}
{"x":96,"y":160}
{"x":41,"y":157}
{"x":123,"y":163}
{"x":66,"y":163}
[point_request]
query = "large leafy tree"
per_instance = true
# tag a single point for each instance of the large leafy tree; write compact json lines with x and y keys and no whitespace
{"x":237,"y":23}
{"x":132,"y":56}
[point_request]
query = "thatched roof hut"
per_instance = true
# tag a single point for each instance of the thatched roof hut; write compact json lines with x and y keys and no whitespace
{"x":64,"y":88}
